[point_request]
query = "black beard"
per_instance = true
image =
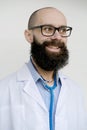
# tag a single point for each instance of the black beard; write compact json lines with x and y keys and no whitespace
{"x":46,"y":60}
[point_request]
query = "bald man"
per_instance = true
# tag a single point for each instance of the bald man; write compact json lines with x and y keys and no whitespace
{"x":39,"y":96}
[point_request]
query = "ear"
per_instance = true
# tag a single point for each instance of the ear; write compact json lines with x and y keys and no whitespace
{"x":28,"y":35}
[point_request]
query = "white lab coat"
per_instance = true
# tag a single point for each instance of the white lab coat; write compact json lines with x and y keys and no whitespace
{"x":22,"y":107}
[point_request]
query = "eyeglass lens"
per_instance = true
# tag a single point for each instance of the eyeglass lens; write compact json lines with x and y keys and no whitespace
{"x":50,"y":30}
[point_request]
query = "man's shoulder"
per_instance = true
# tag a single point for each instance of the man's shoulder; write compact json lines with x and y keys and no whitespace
{"x":20,"y":75}
{"x":5,"y":81}
{"x":8,"y":78}
{"x":69,"y":81}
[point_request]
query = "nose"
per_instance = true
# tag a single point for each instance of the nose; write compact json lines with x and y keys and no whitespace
{"x":56,"y":35}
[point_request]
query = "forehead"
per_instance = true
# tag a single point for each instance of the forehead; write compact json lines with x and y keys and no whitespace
{"x":50,"y":16}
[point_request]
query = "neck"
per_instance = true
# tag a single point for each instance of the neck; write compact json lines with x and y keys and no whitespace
{"x":47,"y":76}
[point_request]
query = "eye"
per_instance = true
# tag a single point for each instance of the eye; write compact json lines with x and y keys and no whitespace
{"x":63,"y":30}
{"x":48,"y":29}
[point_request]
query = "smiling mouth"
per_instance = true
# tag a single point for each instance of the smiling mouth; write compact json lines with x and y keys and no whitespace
{"x":53,"y":48}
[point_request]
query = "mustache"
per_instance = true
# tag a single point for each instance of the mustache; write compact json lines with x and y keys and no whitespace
{"x":55,"y":43}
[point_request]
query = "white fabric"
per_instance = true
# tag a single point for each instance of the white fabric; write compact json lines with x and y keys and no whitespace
{"x":22,"y":107}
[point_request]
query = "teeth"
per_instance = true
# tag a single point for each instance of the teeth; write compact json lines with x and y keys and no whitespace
{"x":55,"y":47}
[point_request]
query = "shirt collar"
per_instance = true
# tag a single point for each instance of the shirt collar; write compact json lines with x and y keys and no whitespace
{"x":36,"y":75}
{"x":33,"y":71}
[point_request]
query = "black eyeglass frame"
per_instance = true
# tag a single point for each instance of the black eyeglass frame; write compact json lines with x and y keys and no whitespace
{"x":55,"y":28}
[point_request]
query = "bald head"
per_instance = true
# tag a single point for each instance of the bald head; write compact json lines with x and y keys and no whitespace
{"x":47,"y":15}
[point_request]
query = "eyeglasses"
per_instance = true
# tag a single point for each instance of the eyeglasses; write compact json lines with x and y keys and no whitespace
{"x":49,"y":30}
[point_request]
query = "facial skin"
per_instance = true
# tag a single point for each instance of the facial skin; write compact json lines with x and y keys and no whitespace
{"x":54,"y":46}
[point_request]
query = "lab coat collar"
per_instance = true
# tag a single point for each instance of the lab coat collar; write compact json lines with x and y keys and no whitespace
{"x":24,"y":75}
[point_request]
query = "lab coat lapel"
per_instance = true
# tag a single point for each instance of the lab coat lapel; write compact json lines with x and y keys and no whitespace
{"x":30,"y":87}
{"x":63,"y":94}
{"x":61,"y":110}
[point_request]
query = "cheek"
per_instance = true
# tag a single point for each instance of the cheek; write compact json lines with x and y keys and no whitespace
{"x":65,"y":41}
{"x":45,"y":39}
{"x":38,"y":36}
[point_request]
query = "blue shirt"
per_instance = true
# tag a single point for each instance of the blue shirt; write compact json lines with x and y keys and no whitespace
{"x":44,"y":92}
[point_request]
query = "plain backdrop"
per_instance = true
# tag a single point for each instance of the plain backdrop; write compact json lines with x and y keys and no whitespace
{"x":14,"y":49}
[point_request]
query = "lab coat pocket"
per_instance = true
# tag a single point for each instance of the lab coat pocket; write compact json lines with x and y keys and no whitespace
{"x":12,"y":118}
